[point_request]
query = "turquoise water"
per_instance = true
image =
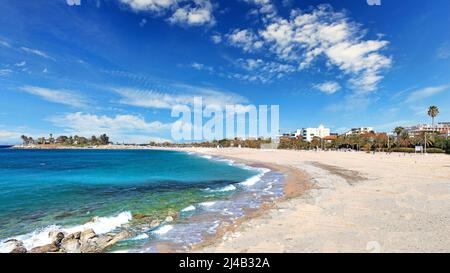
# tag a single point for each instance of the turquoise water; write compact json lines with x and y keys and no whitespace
{"x":66,"y":188}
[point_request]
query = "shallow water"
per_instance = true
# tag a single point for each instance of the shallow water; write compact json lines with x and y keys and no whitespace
{"x":45,"y":190}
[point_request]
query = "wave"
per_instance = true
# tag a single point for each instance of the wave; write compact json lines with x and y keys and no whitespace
{"x":189,"y":208}
{"x":223,"y":189}
{"x":256,"y":178}
{"x":163,"y":229}
{"x":207,"y":204}
{"x":40,"y":237}
{"x":140,"y":237}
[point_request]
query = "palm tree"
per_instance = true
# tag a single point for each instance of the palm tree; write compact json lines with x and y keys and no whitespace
{"x":433,"y":111}
{"x":405,"y":140}
{"x":24,"y":139}
{"x":398,"y":131}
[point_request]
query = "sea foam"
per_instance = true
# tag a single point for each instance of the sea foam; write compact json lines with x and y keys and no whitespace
{"x":189,"y":208}
{"x":163,"y":230}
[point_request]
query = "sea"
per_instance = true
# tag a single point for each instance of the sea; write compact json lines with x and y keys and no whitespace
{"x":74,"y":190}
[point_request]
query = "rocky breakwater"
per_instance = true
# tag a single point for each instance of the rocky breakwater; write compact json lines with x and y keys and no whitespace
{"x":87,"y":241}
{"x":79,"y":242}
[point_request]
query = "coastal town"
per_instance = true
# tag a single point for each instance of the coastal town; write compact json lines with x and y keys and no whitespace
{"x":420,"y":138}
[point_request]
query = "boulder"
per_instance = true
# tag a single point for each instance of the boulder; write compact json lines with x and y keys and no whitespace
{"x":155,"y":223}
{"x":100,"y":243}
{"x":56,"y":236}
{"x":87,"y":234}
{"x":173,"y":214}
{"x":15,"y":246}
{"x":77,"y":235}
{"x":71,"y":245}
{"x":139,"y":216}
{"x":168,"y":219}
{"x":45,"y":249}
{"x":119,"y":237}
{"x":19,"y":249}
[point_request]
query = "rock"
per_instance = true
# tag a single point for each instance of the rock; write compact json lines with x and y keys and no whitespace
{"x":71,"y":245}
{"x":56,"y":236}
{"x":173,"y":214}
{"x":168,"y":219}
{"x":89,"y":247}
{"x":102,"y":242}
{"x":94,"y":219}
{"x":19,"y":249}
{"x":119,"y":237}
{"x":45,"y":249}
{"x":139,"y":216}
{"x":87,"y":234}
{"x":15,"y":246}
{"x":77,"y":235}
{"x":155,"y":223}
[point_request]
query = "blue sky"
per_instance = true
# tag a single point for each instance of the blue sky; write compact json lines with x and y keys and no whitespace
{"x":118,"y":66}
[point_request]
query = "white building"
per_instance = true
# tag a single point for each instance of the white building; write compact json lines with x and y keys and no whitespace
{"x":441,"y":127}
{"x":359,"y":131}
{"x":309,"y":133}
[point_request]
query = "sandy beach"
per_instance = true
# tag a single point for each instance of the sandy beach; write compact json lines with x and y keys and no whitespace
{"x":351,"y":202}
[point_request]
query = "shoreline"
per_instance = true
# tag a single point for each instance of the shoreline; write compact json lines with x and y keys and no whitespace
{"x":296,"y":183}
{"x":359,"y":203}
{"x":339,"y":202}
{"x":290,"y":189}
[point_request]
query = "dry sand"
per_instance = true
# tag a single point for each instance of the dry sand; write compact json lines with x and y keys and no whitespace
{"x":359,"y":203}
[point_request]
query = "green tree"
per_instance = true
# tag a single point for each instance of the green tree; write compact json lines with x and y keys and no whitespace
{"x":404,"y":139}
{"x":104,"y":139}
{"x":24,"y":139}
{"x":61,"y":139}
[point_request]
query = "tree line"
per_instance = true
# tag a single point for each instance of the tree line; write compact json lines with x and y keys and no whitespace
{"x":67,"y":140}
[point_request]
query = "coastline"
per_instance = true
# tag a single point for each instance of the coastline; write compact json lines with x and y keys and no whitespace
{"x":296,"y":184}
{"x":289,"y":183}
{"x":339,"y":202}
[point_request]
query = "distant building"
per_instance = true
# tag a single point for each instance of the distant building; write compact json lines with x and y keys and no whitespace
{"x":441,"y":127}
{"x":359,"y":131}
{"x":309,"y":133}
{"x":330,"y":138}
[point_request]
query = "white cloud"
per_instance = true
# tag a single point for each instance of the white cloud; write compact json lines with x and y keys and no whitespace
{"x":5,"y":44}
{"x":149,"y":5}
{"x":320,"y":34}
{"x":245,"y":39}
{"x":127,"y":128}
{"x":194,"y":15}
{"x":143,"y":22}
{"x":216,"y":38}
{"x":21,"y":64}
{"x":443,"y":52}
{"x":426,"y":92}
{"x":66,"y":97}
{"x":264,"y":8}
{"x":160,"y":100}
{"x":258,"y":70}
{"x":183,"y":12}
{"x":36,"y":52}
{"x":5,"y":72}
{"x":9,"y":137}
{"x":328,"y":87}
{"x":199,"y":66}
